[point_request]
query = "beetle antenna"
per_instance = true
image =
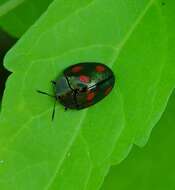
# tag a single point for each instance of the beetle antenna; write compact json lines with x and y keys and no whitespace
{"x":53,"y":113}
{"x":45,"y":93}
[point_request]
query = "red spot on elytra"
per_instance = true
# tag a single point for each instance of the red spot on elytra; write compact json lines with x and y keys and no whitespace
{"x":84,"y":78}
{"x":100,"y":68}
{"x":76,"y":69}
{"x":90,"y":96}
{"x":108,"y":90}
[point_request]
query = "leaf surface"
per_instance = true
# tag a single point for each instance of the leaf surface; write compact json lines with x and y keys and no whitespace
{"x":8,"y":5}
{"x":76,"y":150}
{"x":16,"y":16}
{"x":153,"y":166}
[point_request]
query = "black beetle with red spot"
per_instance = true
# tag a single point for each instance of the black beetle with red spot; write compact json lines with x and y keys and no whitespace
{"x":82,"y":85}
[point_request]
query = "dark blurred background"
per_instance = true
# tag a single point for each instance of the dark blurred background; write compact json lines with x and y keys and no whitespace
{"x":6,"y":42}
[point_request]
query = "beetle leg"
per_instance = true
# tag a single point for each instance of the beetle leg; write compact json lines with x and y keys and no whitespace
{"x":53,"y":113}
{"x":53,"y":82}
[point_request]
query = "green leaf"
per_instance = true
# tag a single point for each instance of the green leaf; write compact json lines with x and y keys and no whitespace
{"x":16,"y":16}
{"x":8,"y":5}
{"x":153,"y":166}
{"x":76,"y":150}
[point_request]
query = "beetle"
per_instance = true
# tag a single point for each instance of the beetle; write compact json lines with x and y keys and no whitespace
{"x":82,"y":85}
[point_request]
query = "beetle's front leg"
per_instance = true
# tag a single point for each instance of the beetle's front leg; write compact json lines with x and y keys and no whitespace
{"x":53,"y":82}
